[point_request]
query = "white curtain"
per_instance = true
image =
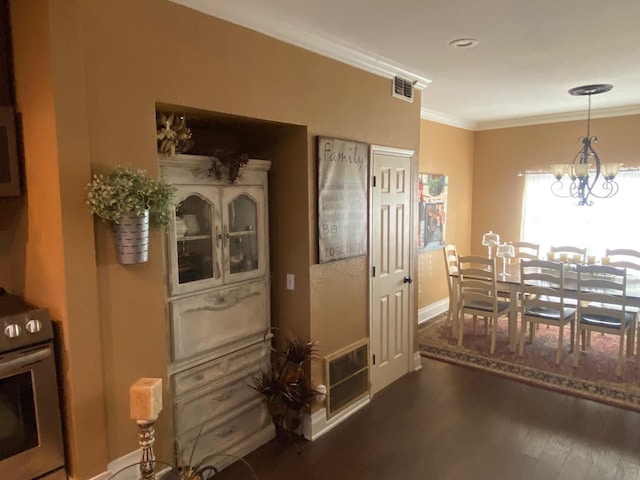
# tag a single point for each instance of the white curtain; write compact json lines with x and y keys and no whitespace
{"x":608,"y":223}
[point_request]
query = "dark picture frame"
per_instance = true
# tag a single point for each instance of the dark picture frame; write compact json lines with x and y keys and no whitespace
{"x":9,"y":163}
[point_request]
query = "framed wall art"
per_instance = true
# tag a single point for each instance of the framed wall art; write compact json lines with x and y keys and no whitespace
{"x":432,"y":211}
{"x":342,"y":199}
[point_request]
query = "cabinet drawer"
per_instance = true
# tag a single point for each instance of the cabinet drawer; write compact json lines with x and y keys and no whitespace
{"x":215,"y":323}
{"x":209,"y":372}
{"x":220,"y":436}
{"x":203,"y":405}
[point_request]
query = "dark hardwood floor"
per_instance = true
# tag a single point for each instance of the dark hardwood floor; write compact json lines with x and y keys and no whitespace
{"x":449,"y":422}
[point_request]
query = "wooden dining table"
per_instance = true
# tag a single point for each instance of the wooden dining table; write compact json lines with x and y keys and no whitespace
{"x":509,"y":284}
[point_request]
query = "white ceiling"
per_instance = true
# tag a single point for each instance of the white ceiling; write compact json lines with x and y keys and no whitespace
{"x":530,"y":52}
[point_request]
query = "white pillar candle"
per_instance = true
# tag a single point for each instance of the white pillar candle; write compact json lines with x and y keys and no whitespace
{"x":145,"y":399}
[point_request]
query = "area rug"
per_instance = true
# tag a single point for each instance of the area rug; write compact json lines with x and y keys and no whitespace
{"x":593,"y":379}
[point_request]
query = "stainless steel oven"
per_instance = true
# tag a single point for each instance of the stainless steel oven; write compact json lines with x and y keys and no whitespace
{"x":31,"y":444}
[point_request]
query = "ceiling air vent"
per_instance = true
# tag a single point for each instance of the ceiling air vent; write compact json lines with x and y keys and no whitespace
{"x":403,"y":88}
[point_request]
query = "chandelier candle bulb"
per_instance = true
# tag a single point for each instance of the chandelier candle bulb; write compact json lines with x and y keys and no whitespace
{"x":145,"y":399}
{"x":610,"y":170}
{"x":559,"y":169}
{"x":581,"y":170}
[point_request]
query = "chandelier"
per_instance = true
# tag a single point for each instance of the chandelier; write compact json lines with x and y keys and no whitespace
{"x":585,"y":170}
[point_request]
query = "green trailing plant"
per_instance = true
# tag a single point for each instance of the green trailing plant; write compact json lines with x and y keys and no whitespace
{"x":127,"y":191}
{"x":287,"y":391}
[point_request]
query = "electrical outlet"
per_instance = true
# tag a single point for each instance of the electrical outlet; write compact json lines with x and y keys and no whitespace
{"x":291,"y":281}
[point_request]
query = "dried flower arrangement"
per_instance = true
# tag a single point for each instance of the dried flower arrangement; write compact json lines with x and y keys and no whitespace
{"x":172,"y":134}
{"x":287,"y":390}
{"x":230,"y":161}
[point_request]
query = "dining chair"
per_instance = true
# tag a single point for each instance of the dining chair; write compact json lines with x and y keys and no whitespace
{"x":602,"y":307}
{"x":629,"y":259}
{"x":624,"y":258}
{"x":526,"y":250}
{"x":479,"y":294}
{"x":451,"y":269}
{"x":571,"y":251}
{"x":542,"y":300}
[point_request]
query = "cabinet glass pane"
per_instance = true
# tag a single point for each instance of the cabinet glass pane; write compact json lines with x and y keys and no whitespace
{"x":243,"y":234}
{"x":194,"y":242}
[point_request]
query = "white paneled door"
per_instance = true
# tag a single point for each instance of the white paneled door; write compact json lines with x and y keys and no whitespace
{"x":390,"y":258}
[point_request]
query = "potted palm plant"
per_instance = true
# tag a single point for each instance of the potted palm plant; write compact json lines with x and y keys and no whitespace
{"x":287,"y":391}
{"x":132,"y":202}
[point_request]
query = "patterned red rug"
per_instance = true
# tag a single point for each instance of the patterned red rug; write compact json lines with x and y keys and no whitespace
{"x":594,"y":378}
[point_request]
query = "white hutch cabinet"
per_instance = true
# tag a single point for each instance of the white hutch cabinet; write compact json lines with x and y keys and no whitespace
{"x":218,"y":308}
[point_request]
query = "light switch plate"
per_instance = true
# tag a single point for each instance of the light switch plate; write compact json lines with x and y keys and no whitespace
{"x":291,"y":281}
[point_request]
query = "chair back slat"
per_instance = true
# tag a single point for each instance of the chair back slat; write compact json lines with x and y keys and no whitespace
{"x":624,"y":258}
{"x":526,"y":250}
{"x":477,"y":280}
{"x":569,"y":249}
{"x":542,"y":285}
{"x":601,"y":292}
{"x":450,"y":259}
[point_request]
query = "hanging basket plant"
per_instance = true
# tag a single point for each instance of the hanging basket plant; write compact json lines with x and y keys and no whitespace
{"x":132,"y":202}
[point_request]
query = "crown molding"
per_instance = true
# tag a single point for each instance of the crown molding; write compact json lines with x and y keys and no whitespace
{"x":445,"y":119}
{"x":450,"y":120}
{"x":308,"y":40}
{"x":558,"y":117}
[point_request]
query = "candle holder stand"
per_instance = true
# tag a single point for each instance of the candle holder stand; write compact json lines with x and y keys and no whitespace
{"x":146,"y":438}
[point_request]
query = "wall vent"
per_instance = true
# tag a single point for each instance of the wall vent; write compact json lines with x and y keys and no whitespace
{"x":347,"y":376}
{"x":403,"y":88}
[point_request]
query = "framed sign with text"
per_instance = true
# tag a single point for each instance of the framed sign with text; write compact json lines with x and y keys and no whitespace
{"x":342,"y":199}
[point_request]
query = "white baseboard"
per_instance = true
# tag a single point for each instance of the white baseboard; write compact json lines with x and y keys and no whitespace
{"x":433,"y":309}
{"x":317,"y":424}
{"x":128,"y":467}
{"x":417,"y":362}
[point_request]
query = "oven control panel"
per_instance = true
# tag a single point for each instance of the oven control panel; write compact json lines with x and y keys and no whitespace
{"x":19,"y":330}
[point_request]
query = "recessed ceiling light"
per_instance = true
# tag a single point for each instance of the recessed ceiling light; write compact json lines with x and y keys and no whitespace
{"x":463,"y":43}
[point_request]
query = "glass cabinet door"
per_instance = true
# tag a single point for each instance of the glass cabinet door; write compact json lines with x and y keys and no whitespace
{"x":243,"y":224}
{"x":195,"y":256}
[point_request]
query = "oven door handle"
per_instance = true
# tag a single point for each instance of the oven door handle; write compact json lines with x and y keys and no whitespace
{"x":9,"y":366}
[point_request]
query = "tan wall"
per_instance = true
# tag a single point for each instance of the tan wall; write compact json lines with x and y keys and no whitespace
{"x":449,"y":151}
{"x":501,"y":154}
{"x":58,"y":258}
{"x":107,"y":66}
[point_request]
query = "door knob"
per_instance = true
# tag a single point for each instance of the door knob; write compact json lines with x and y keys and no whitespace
{"x":407,"y":280}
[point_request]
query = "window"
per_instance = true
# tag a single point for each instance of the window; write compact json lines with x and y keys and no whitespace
{"x":608,"y":223}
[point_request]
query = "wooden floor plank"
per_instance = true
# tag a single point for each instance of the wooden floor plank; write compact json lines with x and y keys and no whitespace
{"x":450,"y":422}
